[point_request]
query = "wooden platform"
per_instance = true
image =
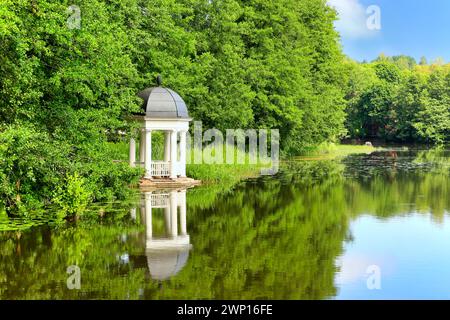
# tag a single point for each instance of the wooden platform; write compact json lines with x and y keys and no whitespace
{"x":167,"y":183}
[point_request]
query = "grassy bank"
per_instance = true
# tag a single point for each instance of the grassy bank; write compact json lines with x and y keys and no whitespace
{"x":227,"y":174}
{"x":221,"y":172}
{"x":207,"y":173}
{"x":332,"y":150}
{"x":216,"y":178}
{"x":222,"y":178}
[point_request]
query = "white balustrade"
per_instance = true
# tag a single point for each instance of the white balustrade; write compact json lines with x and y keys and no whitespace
{"x":159,"y":200}
{"x":160,"y":169}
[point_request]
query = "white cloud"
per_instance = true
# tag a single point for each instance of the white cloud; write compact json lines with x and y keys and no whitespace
{"x":353,"y":19}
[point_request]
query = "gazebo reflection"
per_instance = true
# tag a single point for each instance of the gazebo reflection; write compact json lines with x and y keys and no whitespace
{"x":167,"y":252}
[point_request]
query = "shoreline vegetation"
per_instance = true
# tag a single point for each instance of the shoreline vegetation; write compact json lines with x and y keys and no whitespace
{"x":223,"y":173}
{"x":333,"y":150}
{"x":217,"y":179}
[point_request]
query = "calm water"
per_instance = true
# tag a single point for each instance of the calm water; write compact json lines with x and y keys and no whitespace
{"x":364,"y":227}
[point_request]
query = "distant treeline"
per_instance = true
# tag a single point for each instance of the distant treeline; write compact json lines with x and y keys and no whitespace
{"x":395,"y":98}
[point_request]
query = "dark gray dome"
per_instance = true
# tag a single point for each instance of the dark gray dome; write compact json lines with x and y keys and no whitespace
{"x":160,"y":102}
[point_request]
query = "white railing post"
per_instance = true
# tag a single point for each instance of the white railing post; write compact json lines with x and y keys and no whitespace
{"x":160,"y":169}
{"x":160,"y":200}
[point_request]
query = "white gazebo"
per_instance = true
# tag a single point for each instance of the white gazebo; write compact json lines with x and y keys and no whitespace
{"x":163,"y":110}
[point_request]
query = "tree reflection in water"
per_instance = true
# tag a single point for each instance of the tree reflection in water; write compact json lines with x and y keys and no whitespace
{"x":272,"y":237}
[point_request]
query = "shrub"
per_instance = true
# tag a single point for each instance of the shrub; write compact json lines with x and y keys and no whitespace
{"x":37,"y":170}
{"x":73,"y":196}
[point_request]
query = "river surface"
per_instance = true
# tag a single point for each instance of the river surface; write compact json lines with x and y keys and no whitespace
{"x":362,"y":227}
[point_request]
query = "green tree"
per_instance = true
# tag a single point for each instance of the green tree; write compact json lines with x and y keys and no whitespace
{"x":404,"y":103}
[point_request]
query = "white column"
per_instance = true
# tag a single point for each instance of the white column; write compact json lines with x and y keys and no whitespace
{"x":173,"y":214}
{"x":133,"y":213}
{"x":132,"y":152}
{"x":183,"y":153}
{"x":167,"y":219}
{"x":166,"y":146}
{"x":182,"y":194}
{"x":148,"y":154}
{"x":142,"y":148}
{"x":173,"y":154}
{"x":148,"y":215}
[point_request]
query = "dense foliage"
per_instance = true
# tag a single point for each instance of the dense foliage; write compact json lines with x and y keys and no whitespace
{"x":396,"y":99}
{"x":67,"y":85}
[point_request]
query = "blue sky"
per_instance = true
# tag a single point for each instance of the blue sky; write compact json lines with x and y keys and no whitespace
{"x":413,"y":27}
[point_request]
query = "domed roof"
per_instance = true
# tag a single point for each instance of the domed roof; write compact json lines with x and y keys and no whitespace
{"x":160,"y":102}
{"x":164,"y":264}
